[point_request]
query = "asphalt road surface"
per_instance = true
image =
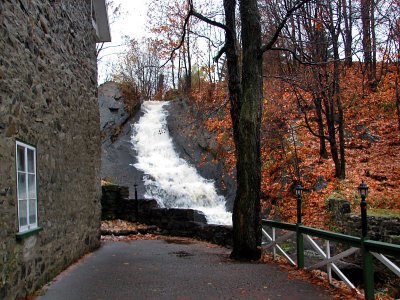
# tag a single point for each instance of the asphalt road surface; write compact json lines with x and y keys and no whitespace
{"x":161,"y":269}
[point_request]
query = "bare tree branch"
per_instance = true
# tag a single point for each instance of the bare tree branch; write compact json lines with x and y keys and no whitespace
{"x":289,"y":13}
{"x":308,"y":125}
{"x":209,"y":21}
{"x":219,"y":54}
{"x":204,"y":37}
{"x":190,"y":13}
{"x":296,"y":57}
{"x":181,"y":41}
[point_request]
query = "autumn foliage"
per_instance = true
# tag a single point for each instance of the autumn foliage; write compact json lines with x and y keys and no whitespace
{"x":289,"y":149}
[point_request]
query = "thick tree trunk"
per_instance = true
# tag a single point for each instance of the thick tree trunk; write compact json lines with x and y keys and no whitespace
{"x":246,"y":210}
{"x":232,"y":59}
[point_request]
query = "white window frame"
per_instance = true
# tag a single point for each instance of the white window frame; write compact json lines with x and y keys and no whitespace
{"x":30,"y":196}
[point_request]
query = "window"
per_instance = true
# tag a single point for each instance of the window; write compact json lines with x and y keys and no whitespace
{"x":26,"y":186}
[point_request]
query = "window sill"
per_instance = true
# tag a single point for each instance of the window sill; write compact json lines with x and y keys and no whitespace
{"x":23,"y":235}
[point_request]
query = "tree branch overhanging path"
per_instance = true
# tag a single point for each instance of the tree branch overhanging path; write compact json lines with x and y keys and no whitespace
{"x":245,"y":87}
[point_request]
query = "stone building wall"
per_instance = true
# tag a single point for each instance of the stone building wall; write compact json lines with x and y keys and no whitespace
{"x":48,"y":87}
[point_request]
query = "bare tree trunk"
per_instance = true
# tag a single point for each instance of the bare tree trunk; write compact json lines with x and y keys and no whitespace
{"x":373,"y":37}
{"x":335,"y":100}
{"x":179,"y":71}
{"x":366,"y":36}
{"x":186,"y":73}
{"x":348,"y":27}
{"x":322,"y":145}
{"x":209,"y":63}
{"x":330,"y":121}
{"x":398,"y":99}
{"x":232,"y":59}
{"x":246,"y":210}
{"x":160,"y":84}
{"x":173,"y":73}
{"x":336,"y":78}
{"x":189,"y":65}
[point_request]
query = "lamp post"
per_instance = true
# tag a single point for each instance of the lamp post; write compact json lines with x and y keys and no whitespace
{"x":299,"y":193}
{"x":363,"y":191}
{"x":299,"y":236}
{"x":368,"y":268}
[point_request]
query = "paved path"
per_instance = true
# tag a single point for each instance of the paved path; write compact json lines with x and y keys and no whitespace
{"x":158,"y":269}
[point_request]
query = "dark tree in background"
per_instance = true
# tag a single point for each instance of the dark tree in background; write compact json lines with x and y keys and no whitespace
{"x":245,"y":85}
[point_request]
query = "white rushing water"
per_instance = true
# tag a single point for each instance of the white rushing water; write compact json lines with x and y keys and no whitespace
{"x":169,"y":179}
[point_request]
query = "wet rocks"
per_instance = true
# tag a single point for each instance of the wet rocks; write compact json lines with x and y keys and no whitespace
{"x":112,"y":110}
{"x":198,"y":147}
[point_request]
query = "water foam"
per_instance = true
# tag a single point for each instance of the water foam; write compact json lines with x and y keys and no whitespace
{"x":169,"y":179}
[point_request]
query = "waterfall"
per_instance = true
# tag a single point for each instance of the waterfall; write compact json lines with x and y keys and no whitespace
{"x":168,"y":179}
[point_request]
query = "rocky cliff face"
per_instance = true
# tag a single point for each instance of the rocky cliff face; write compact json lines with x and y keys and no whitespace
{"x":198,"y":146}
{"x":112,"y":110}
{"x":117,"y":153}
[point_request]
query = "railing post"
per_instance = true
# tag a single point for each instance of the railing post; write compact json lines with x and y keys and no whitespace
{"x":328,"y":266}
{"x":299,"y":235}
{"x":300,"y":247}
{"x":368,"y":267}
{"x":273,"y":240}
{"x":368,"y":273}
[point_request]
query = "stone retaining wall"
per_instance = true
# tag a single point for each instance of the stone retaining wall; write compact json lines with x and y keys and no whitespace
{"x":173,"y":221}
{"x":385,"y":229}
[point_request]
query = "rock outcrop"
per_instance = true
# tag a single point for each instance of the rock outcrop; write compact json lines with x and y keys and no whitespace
{"x":117,"y":153}
{"x":197,"y":146}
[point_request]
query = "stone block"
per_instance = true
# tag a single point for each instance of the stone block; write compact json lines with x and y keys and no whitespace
{"x":339,"y":207}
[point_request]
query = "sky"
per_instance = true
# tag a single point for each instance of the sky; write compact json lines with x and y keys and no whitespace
{"x":131,"y":23}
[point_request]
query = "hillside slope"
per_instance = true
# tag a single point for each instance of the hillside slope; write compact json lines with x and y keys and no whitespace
{"x":372,"y":147}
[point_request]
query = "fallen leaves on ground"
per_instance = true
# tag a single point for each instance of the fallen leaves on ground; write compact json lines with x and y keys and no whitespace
{"x":121,"y":225}
{"x":118,"y":225}
{"x":338,"y":289}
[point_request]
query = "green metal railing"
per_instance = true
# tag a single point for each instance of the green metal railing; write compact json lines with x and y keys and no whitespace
{"x":368,"y":248}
